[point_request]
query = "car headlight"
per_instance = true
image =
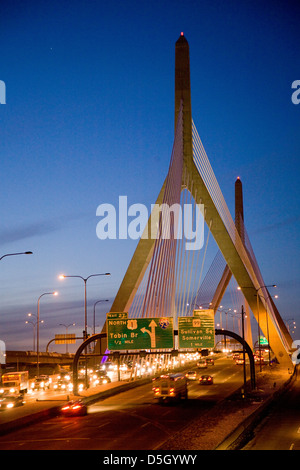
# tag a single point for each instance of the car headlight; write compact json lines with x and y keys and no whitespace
{"x":9,"y":405}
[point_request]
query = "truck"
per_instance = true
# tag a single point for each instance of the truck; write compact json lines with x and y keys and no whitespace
{"x":170,"y":387}
{"x":14,"y":383}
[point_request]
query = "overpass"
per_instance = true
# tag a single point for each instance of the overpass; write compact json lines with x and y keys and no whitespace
{"x":24,"y":359}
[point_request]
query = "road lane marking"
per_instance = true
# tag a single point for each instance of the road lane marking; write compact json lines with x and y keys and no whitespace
{"x":104,"y":424}
{"x":145,"y":424}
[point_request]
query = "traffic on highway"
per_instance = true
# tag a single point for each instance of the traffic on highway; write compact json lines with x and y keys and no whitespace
{"x":16,"y":389}
{"x":133,"y":419}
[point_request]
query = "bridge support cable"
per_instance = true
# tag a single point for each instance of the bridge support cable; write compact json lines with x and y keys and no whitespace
{"x":206,"y":172}
{"x":264,"y":295}
{"x":160,"y":290}
{"x":244,"y":269}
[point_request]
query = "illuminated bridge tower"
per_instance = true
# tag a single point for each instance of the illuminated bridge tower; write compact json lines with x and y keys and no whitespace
{"x":190,"y":169}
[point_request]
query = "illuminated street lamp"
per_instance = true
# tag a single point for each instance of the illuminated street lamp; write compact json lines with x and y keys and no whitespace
{"x":34,"y":326}
{"x":38,"y":330}
{"x":63,"y":276}
{"x":292,"y":322}
{"x":226,"y":320}
{"x":257,"y":296}
{"x":85,"y":279}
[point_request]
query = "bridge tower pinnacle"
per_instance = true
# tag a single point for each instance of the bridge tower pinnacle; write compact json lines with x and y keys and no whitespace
{"x":183,"y":96}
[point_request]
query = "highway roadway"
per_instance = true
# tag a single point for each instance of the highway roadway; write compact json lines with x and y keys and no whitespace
{"x":131,"y":420}
{"x":280,"y":430}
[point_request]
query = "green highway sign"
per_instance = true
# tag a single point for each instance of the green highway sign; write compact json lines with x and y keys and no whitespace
{"x":138,"y":333}
{"x":197,"y":331}
{"x":263,"y":341}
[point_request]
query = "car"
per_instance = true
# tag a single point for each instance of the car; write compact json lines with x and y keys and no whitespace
{"x":11,"y":401}
{"x":206,"y":380}
{"x":210,"y":362}
{"x":74,"y":408}
{"x":63,"y":385}
{"x":65,"y":375}
{"x":99,"y":378}
{"x":239,"y":361}
{"x":202,"y":364}
{"x":191,"y":375}
{"x":41,"y":383}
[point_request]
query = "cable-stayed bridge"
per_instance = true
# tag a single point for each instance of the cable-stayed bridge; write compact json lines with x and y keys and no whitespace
{"x":165,"y":275}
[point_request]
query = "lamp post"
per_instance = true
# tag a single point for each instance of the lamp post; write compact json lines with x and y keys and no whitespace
{"x":98,"y":301}
{"x":63,"y":276}
{"x":84,"y":279}
{"x":15,"y":254}
{"x":244,"y":355}
{"x":268,"y":334}
{"x":38,"y":330}
{"x":226,"y":321}
{"x":257,"y":296}
{"x":287,"y":322}
{"x":34,"y":326}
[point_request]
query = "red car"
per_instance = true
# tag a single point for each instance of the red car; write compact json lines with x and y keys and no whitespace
{"x":74,"y":408}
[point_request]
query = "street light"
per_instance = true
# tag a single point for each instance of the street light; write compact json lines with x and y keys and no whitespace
{"x":257,"y":296}
{"x":287,"y":322}
{"x":226,"y":320}
{"x":34,"y":326}
{"x":63,"y":276}
{"x":14,"y":254}
{"x":85,"y":279}
{"x":38,"y":330}
{"x":269,"y":297}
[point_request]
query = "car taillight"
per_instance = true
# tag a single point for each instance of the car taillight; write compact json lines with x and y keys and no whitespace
{"x":76,"y":407}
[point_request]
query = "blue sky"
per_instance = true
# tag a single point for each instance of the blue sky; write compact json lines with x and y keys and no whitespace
{"x":89,"y":116}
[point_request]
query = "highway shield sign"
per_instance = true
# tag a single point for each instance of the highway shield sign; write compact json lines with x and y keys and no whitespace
{"x":197,"y":331}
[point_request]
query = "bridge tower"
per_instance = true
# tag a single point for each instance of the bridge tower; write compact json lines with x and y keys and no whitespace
{"x":228,"y":236}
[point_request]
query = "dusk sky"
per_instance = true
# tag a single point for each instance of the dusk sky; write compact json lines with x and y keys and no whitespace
{"x":89,"y":116}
